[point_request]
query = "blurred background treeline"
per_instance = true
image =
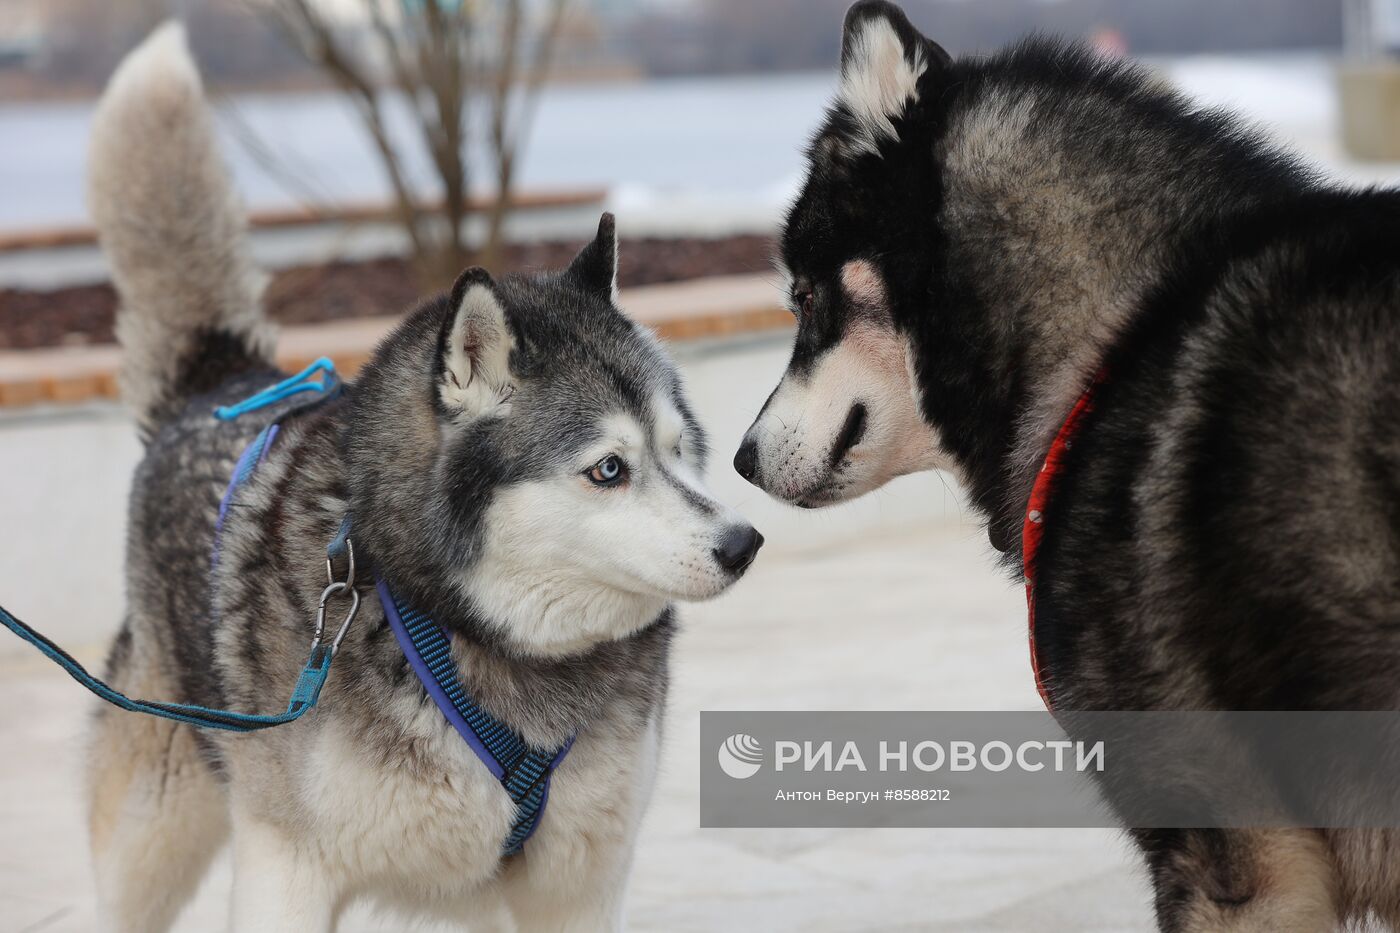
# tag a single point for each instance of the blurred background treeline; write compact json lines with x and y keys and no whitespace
{"x":67,"y":47}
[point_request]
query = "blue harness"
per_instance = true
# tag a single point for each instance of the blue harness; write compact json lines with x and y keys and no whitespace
{"x":523,"y":770}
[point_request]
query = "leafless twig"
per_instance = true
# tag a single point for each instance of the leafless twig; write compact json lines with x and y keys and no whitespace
{"x":441,"y":56}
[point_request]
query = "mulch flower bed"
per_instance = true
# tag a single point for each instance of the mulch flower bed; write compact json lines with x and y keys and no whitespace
{"x":84,"y":314}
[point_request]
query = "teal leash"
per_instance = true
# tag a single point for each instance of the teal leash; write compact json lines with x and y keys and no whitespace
{"x":304,"y":695}
{"x":318,"y":665}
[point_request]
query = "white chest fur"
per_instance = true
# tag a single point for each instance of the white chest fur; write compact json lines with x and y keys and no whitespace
{"x":418,"y":822}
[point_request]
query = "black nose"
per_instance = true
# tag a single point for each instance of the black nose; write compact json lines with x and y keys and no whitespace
{"x":738,"y":548}
{"x":746,"y":460}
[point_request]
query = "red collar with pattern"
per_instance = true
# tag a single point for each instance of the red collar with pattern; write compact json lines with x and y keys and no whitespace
{"x":1033,"y":529}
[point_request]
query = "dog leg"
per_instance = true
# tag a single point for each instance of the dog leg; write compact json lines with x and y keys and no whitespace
{"x":1242,"y":881}
{"x":488,"y":912}
{"x":578,"y":890}
{"x":596,"y":907}
{"x":576,"y":878}
{"x":277,"y":887}
{"x":156,"y":817}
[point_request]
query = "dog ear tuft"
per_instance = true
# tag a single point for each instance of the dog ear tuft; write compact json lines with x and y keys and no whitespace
{"x":595,"y":267}
{"x":884,"y":61}
{"x":476,"y":347}
{"x":472,"y":275}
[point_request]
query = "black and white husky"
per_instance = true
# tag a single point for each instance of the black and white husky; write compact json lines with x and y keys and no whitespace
{"x":975,"y":241}
{"x":519,"y":459}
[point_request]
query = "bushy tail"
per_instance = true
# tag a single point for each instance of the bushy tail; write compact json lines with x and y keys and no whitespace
{"x":174,"y":233}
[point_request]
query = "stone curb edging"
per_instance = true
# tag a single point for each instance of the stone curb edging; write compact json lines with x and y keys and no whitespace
{"x":723,"y":306}
{"x":63,"y":237}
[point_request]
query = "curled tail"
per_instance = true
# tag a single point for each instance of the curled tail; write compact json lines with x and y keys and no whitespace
{"x":174,"y":233}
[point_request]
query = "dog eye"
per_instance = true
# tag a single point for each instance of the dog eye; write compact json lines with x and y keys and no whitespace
{"x":608,"y":472}
{"x":803,"y":299}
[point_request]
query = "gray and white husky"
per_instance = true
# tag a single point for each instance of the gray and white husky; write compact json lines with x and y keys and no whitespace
{"x":975,"y":240}
{"x":519,"y":459}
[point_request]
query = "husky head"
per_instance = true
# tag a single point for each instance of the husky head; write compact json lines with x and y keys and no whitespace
{"x":846,"y":417}
{"x":524,"y":464}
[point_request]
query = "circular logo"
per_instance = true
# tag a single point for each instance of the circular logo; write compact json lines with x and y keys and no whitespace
{"x":740,"y":756}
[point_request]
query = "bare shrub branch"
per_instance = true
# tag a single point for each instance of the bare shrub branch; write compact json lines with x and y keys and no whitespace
{"x":441,"y":57}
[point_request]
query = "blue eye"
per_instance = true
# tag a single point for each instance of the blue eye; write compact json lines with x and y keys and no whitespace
{"x":608,"y":472}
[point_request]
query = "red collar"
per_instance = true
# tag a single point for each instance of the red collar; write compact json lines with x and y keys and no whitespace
{"x":1033,"y":529}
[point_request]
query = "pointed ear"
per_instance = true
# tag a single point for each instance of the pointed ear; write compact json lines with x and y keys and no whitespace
{"x":885,"y":64}
{"x":595,"y":267}
{"x":476,"y":347}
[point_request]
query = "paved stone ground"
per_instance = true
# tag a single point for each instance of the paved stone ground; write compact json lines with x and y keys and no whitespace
{"x":890,"y":603}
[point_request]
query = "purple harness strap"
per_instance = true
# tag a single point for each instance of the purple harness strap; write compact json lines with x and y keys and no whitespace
{"x":430,"y":683}
{"x":523,"y":770}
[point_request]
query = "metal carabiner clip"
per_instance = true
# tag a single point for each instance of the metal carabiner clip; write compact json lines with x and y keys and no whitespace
{"x":333,"y":589}
{"x":337,"y":587}
{"x":349,"y":565}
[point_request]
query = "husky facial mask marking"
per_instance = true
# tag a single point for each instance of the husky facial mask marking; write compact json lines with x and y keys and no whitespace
{"x":563,"y":463}
{"x":847,"y":420}
{"x":847,"y":417}
{"x":625,"y":527}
